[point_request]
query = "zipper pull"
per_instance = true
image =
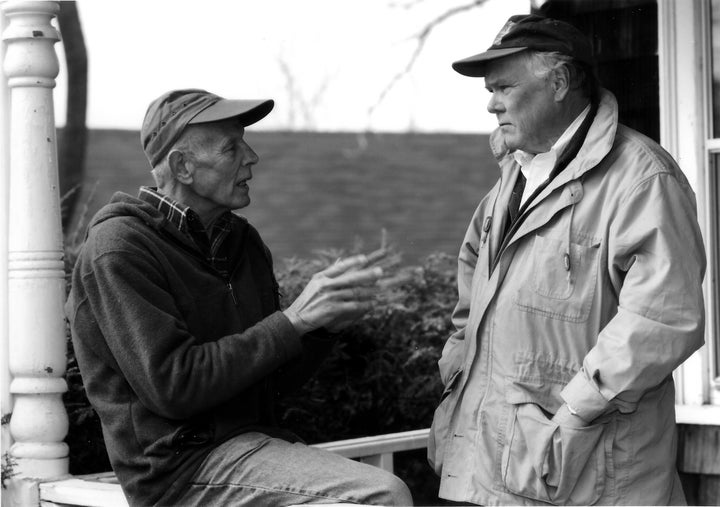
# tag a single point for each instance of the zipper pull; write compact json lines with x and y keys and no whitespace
{"x":232,"y":293}
{"x":566,"y":261}
{"x":486,"y":229}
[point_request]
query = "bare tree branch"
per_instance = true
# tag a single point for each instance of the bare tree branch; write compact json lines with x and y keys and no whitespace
{"x":290,"y":88}
{"x":420,"y":40}
{"x":73,"y":141}
{"x":409,"y":4}
{"x":298,"y":102}
{"x":309,"y":106}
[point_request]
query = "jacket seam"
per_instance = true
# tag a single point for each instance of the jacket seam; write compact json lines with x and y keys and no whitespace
{"x":632,"y":190}
{"x":105,"y":253}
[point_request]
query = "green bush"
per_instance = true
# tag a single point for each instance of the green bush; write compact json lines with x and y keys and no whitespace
{"x":381,"y":377}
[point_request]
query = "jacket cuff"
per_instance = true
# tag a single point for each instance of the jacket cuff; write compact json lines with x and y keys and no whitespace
{"x":289,"y":338}
{"x":584,"y":398}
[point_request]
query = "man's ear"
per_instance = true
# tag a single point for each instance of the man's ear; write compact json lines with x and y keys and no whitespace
{"x":181,"y":169}
{"x":560,"y":82}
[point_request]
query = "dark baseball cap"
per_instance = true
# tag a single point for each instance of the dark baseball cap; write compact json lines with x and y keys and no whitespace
{"x":168,"y":115}
{"x":529,"y":31}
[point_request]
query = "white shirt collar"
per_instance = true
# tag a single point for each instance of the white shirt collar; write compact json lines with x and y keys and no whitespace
{"x":537,"y":168}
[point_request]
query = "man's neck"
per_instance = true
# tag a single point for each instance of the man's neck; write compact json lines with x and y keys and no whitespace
{"x":186,"y":196}
{"x":574,"y":106}
{"x":566,"y":116}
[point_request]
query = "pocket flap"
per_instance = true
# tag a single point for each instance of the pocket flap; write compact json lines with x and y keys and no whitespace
{"x":544,"y":393}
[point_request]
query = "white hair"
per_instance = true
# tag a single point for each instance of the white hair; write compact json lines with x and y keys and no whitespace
{"x":581,"y":76}
{"x":193,"y":140}
{"x":544,"y":62}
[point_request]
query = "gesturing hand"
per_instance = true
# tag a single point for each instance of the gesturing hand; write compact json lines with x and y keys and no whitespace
{"x":335,"y":296}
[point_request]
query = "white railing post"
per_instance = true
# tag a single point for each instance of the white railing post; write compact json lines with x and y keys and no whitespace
{"x":5,"y":397}
{"x":384,"y":461}
{"x":36,"y":283}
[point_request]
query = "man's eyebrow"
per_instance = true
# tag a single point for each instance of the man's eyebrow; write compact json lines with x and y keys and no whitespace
{"x":226,"y":143}
{"x":499,"y":81}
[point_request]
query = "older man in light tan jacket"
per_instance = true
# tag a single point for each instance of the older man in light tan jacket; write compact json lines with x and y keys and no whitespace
{"x":580,"y":291}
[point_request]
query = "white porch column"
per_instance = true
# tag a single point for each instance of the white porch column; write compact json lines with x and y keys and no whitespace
{"x":5,"y":398}
{"x":36,"y":284}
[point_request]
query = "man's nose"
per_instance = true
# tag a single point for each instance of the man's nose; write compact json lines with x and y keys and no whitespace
{"x":249,"y":156}
{"x":493,"y":105}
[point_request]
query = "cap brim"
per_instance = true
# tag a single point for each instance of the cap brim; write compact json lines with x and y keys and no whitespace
{"x":474,"y":66}
{"x":247,"y":111}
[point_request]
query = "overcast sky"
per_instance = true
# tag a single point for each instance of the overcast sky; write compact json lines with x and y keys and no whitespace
{"x":325,"y":62}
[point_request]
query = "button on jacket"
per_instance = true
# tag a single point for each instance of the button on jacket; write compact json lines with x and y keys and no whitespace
{"x":592,"y":300}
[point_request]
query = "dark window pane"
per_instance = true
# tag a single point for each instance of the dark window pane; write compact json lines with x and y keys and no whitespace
{"x":714,"y":238}
{"x":715,"y":34}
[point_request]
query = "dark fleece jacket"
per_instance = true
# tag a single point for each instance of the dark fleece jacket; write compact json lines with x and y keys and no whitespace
{"x":175,"y":358}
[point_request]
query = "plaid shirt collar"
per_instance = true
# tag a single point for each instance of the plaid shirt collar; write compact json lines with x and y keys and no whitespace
{"x":176,"y":213}
{"x":188,"y":221}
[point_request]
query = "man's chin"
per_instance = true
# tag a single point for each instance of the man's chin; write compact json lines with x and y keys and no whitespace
{"x":241,"y":203}
{"x":509,"y":140}
{"x":511,"y":143}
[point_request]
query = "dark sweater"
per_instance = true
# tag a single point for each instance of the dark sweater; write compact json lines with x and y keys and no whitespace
{"x":175,"y":357}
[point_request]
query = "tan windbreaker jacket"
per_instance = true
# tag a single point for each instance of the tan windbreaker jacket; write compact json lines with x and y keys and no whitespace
{"x":593,"y":301}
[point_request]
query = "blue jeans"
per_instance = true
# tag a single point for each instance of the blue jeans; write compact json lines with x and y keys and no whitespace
{"x":257,"y":470}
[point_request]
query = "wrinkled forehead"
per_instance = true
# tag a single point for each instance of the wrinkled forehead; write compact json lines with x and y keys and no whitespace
{"x":229,"y":127}
{"x":519,"y":64}
{"x":213,"y":135}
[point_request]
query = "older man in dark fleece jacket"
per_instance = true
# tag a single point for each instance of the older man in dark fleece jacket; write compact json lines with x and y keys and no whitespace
{"x":179,"y":335}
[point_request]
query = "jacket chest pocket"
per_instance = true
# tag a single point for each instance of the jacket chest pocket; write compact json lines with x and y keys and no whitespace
{"x":562,"y":282}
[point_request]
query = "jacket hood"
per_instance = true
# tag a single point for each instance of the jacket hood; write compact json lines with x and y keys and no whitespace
{"x":128,"y":206}
{"x":125,"y":205}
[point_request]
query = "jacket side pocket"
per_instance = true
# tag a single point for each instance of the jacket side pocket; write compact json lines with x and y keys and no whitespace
{"x":556,"y":464}
{"x":441,"y":424}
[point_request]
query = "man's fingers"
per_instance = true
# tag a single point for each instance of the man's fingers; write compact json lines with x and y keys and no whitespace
{"x":351,"y":309}
{"x":375,"y":256}
{"x":358,"y":277}
{"x":355,"y":294}
{"x":343,"y":265}
{"x":354,"y":263}
{"x":394,"y":281}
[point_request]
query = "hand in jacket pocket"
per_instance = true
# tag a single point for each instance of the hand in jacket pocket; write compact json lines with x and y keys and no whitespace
{"x":553,"y":463}
{"x":563,"y":417}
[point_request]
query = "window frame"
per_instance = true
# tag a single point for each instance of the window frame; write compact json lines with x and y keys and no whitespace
{"x":685,"y":67}
{"x":711,"y":159}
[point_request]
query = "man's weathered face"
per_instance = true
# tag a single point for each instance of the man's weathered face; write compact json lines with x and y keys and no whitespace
{"x":222,"y":166}
{"x":523,"y":103}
